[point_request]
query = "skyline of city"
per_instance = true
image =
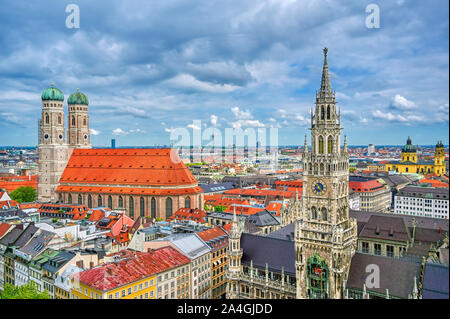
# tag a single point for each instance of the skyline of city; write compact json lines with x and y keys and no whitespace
{"x":391,"y":82}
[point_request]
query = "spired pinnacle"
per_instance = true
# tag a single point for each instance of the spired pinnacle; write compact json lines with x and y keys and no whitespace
{"x":325,"y":88}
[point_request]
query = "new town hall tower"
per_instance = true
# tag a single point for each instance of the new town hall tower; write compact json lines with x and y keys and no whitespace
{"x":310,"y":256}
{"x":325,"y":236}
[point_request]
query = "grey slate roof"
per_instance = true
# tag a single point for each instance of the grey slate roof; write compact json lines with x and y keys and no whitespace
{"x":396,"y":274}
{"x":190,"y":244}
{"x":262,"y":219}
{"x":422,"y":222}
{"x":38,"y":243}
{"x":435,"y":282}
{"x":57,"y":262}
{"x":286,"y":232}
{"x":277,"y":253}
{"x":424,"y":192}
{"x":386,"y":228}
{"x":211,"y":188}
{"x":26,"y":235}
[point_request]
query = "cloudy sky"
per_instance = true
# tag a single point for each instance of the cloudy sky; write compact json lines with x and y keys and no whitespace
{"x":150,"y":66}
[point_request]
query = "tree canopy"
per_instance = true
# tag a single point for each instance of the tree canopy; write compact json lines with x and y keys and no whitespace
{"x":24,"y":194}
{"x":27,"y":291}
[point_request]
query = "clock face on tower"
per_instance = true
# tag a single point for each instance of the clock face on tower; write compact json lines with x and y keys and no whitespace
{"x":319,"y":188}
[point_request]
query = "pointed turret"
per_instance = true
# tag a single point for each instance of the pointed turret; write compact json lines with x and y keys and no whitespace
{"x":305,"y":147}
{"x":325,"y":87}
{"x":345,"y":144}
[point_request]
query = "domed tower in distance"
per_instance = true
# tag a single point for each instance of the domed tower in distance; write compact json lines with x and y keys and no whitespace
{"x":52,"y":146}
{"x":409,"y":152}
{"x":78,"y":121}
{"x":439,"y":159}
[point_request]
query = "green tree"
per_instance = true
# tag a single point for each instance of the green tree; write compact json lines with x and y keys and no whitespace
{"x":219,"y":208}
{"x":24,"y":194}
{"x":27,"y":291}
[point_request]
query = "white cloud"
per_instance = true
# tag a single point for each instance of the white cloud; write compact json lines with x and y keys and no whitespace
{"x":119,"y":131}
{"x":246,"y":123}
{"x":214,"y":119}
{"x":94,"y":132}
{"x":240,"y":114}
{"x":402,"y":103}
{"x":187,"y":81}
{"x":169,"y":130}
{"x":193,"y":126}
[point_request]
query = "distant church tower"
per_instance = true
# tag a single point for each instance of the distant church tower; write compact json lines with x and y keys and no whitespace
{"x":325,"y":236}
{"x":78,"y":121}
{"x":52,"y":148}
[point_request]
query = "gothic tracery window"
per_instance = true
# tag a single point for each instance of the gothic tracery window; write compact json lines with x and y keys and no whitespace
{"x":322,"y":113}
{"x":324,"y":214}
{"x":330,"y":144}
{"x":328,"y":112}
{"x":320,"y":145}
{"x":168,"y":207}
{"x":153,"y":207}
{"x":313,"y":213}
{"x":73,"y":120}
{"x":187,"y":202}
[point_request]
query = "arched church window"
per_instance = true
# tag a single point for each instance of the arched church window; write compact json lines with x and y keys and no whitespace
{"x":313,"y":213}
{"x":330,"y":144}
{"x":324,"y":214}
{"x":110,"y":201}
{"x":187,"y":202}
{"x":73,"y":120}
{"x":153,"y":207}
{"x":69,"y":199}
{"x":131,"y":207}
{"x":47,"y":118}
{"x":89,"y":201}
{"x":59,"y":119}
{"x":99,"y":201}
{"x":80,"y":199}
{"x":328,"y":112}
{"x":322,"y":113}
{"x":168,"y":207}
{"x":141,"y":206}
{"x":322,"y":167}
{"x":84,"y":120}
{"x":320,"y":145}
{"x":120,"y":202}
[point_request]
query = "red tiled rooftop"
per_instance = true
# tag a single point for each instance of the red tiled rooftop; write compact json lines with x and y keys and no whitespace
{"x":4,"y":227}
{"x":134,"y":266}
{"x":139,"y":167}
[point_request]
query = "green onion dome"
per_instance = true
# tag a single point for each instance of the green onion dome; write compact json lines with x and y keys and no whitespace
{"x":78,"y":98}
{"x":409,"y":148}
{"x":52,"y":94}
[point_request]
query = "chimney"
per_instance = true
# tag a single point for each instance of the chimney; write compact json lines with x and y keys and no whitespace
{"x":91,"y":264}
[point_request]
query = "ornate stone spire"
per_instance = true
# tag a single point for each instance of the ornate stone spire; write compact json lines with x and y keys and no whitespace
{"x":345,"y":144}
{"x":325,"y":87}
{"x":305,"y":147}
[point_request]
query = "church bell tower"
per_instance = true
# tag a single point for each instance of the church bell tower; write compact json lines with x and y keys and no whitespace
{"x":52,"y":146}
{"x":325,"y":236}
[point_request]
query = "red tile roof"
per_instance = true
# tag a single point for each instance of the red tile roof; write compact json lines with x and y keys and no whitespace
{"x":365,"y":186}
{"x":260,"y":193}
{"x":212,"y":235}
{"x":131,"y":267}
{"x":4,"y":227}
{"x":246,"y":210}
{"x":196,"y":215}
{"x":138,"y":167}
